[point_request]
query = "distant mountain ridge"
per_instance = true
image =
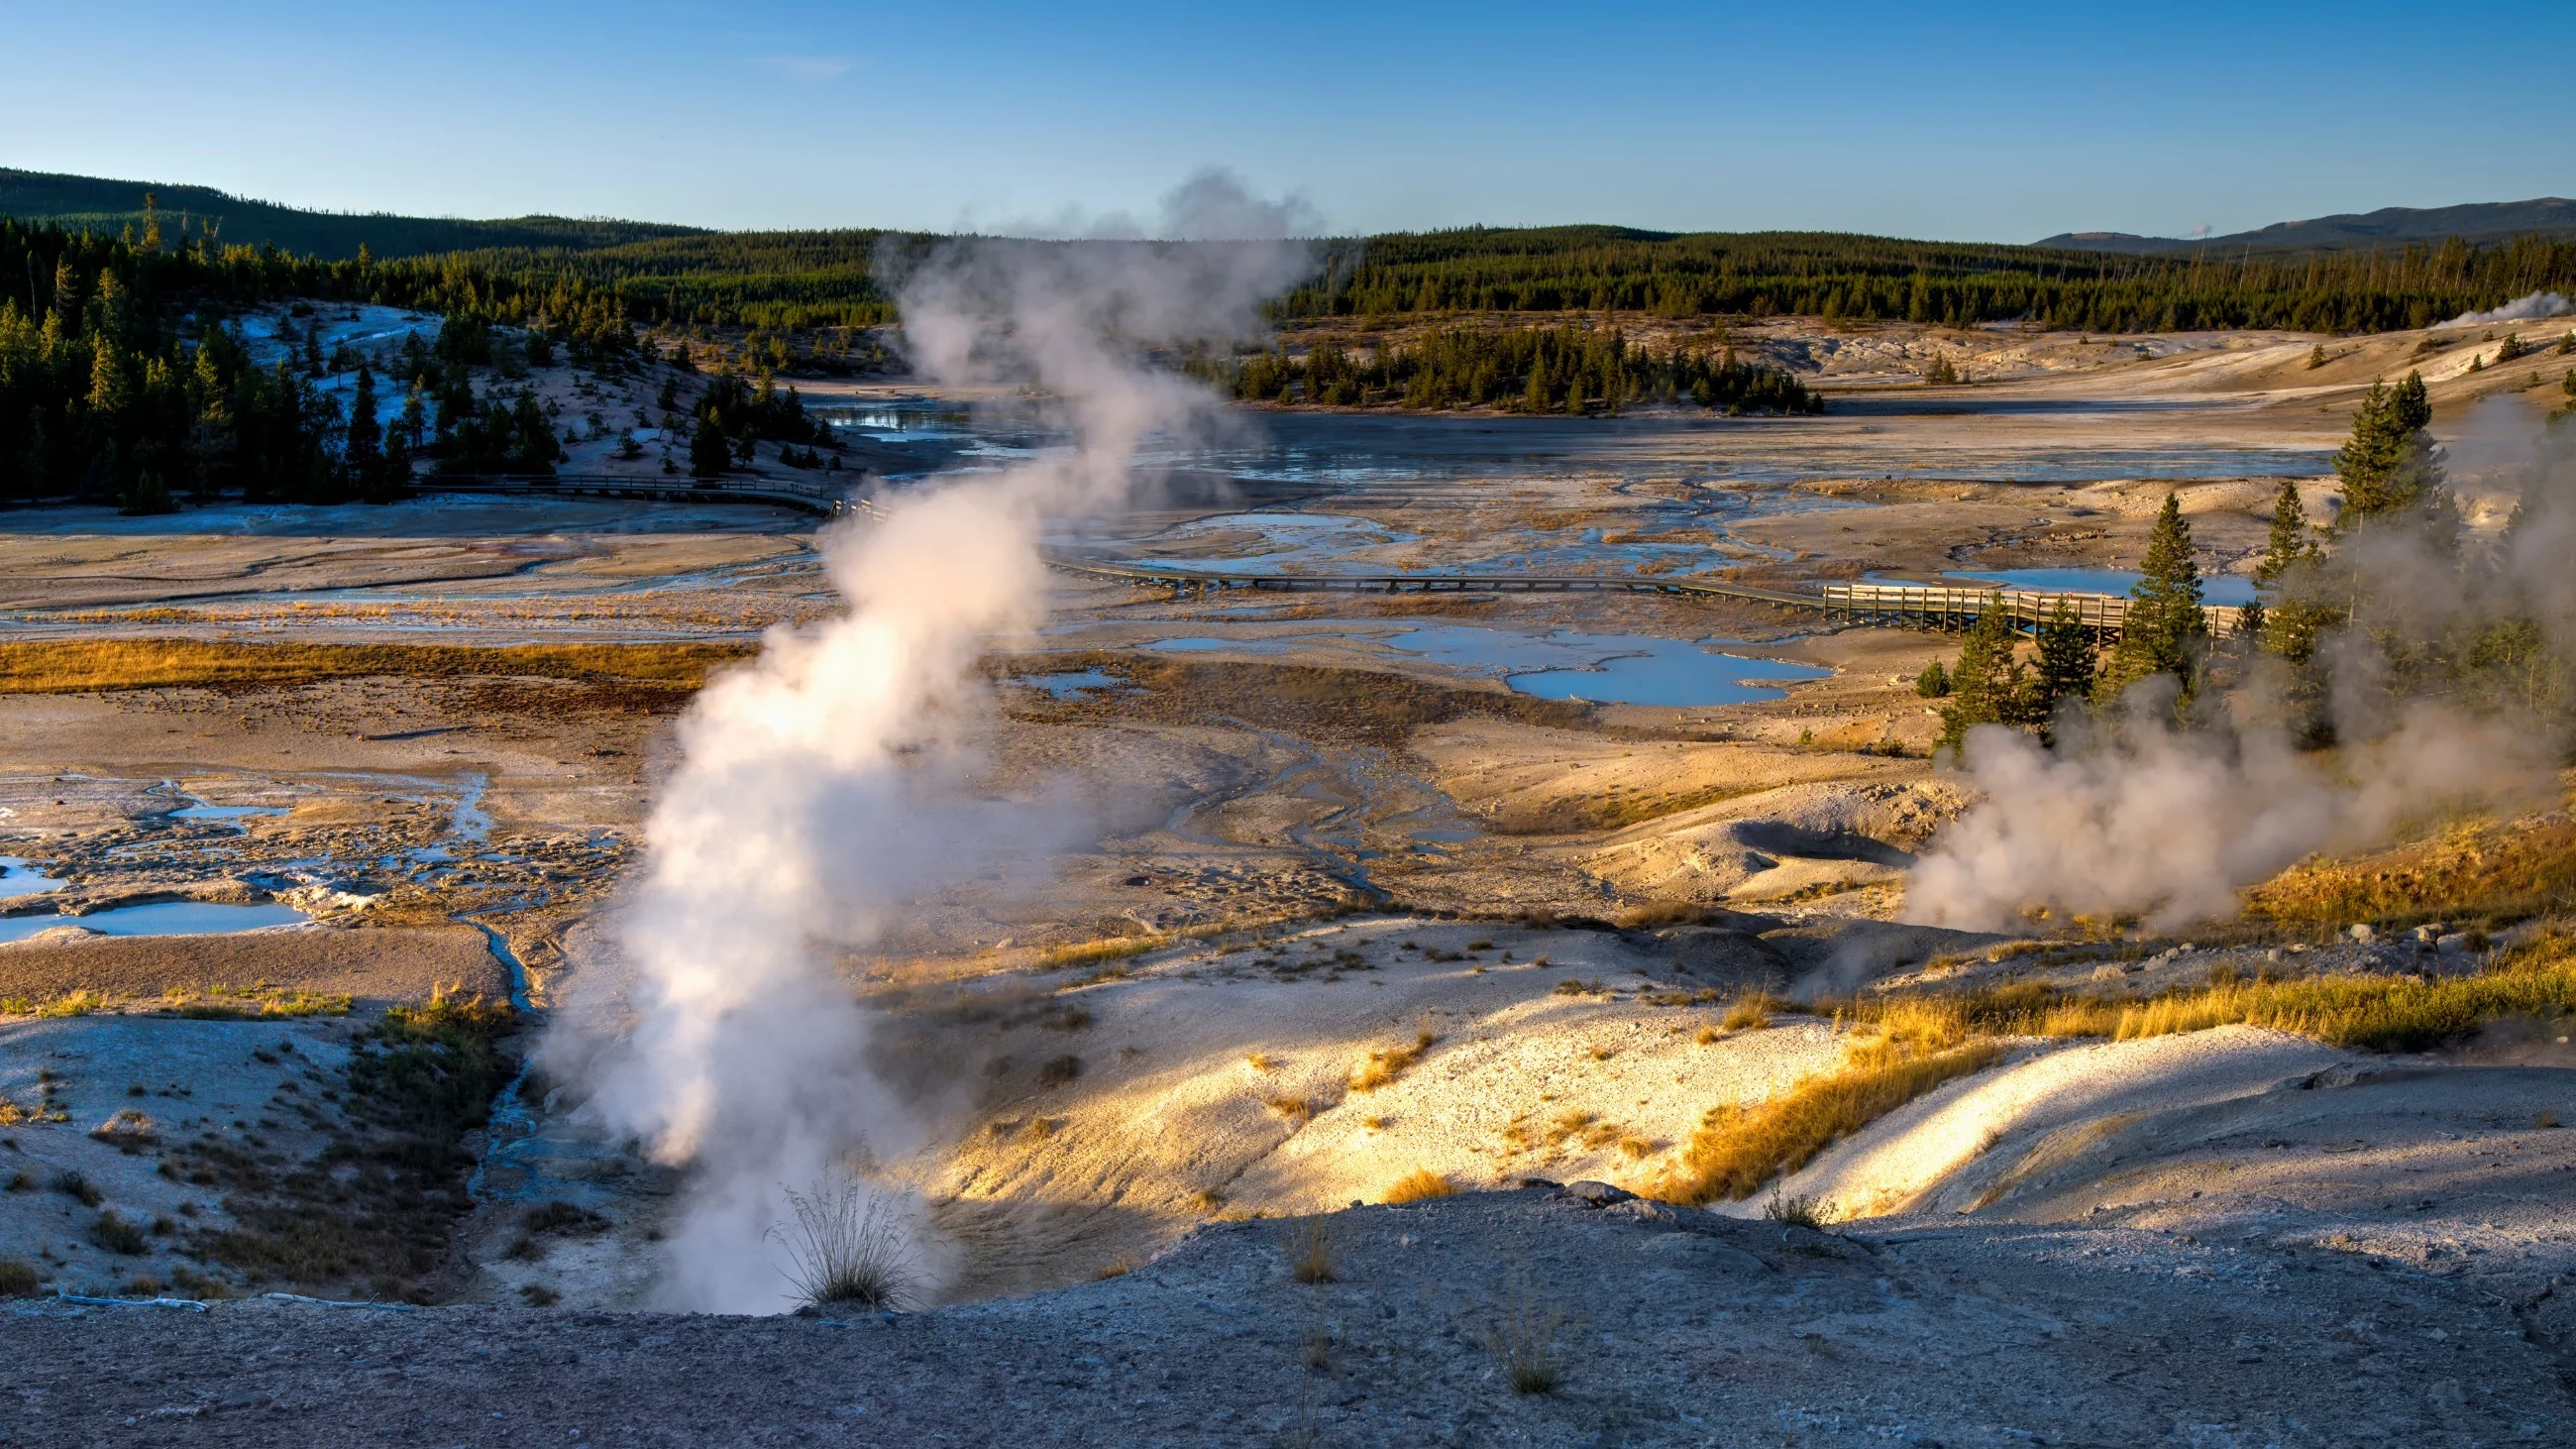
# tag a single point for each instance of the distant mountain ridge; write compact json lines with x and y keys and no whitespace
{"x":2479,"y":221}
{"x":109,"y":206}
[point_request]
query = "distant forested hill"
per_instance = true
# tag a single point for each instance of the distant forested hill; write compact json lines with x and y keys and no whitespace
{"x":2552,"y":216}
{"x":2330,"y":275}
{"x":186,"y":212}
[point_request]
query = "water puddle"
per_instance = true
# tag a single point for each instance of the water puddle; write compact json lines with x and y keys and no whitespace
{"x":1071,"y":682}
{"x":1560,"y":664}
{"x":161,"y":918}
{"x":224,"y":812}
{"x":17,"y":879}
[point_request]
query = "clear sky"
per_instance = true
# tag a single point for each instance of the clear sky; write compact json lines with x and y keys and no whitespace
{"x":1988,"y":122}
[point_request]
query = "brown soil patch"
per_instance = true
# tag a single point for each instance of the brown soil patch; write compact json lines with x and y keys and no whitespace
{"x":387,"y":965}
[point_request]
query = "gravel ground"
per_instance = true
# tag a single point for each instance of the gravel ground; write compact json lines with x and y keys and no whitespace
{"x":1665,"y":1326}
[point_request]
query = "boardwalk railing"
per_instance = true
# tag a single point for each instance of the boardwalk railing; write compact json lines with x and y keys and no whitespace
{"x":1950,"y":607}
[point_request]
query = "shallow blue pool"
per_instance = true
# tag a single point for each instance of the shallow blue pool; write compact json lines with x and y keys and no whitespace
{"x":161,"y":918}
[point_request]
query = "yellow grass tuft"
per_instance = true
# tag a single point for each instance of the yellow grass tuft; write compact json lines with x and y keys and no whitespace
{"x":1737,"y":1149}
{"x":57,"y":666}
{"x":1385,"y":1064}
{"x":1418,"y":1185}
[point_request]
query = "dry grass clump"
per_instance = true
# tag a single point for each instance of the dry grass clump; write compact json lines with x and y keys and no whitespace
{"x":2382,"y":1011}
{"x":1087,"y":953}
{"x":850,"y":1243}
{"x":112,"y":1232}
{"x":58,"y":666}
{"x":1737,"y":1149}
{"x":1299,"y":1110}
{"x":1262,"y":1062}
{"x":1523,"y":1336}
{"x":1057,"y":1071}
{"x":17,"y":1278}
{"x":1802,"y":1211}
{"x":1385,"y":1064}
{"x":1310,"y":1253}
{"x":1418,"y":1185}
{"x":1750,"y":1012}
{"x":129,"y":1131}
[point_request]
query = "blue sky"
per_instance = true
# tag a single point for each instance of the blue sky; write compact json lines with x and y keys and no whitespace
{"x":1994,"y":122}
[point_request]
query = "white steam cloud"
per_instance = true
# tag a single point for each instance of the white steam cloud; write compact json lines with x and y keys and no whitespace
{"x":2146,"y":820}
{"x":2537,"y":307}
{"x":821,"y":789}
{"x":2136,"y":817}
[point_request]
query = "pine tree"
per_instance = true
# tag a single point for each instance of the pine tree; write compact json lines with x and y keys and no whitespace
{"x":1986,"y":683}
{"x":709,"y":453}
{"x":2389,"y":466}
{"x":362,"y":455}
{"x":2289,"y":543}
{"x":2164,"y":631}
{"x":108,"y":394}
{"x":2067,"y":663}
{"x":1933,"y":682}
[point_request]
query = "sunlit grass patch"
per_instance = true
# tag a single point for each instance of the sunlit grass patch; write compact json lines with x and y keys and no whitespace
{"x":1737,"y":1149}
{"x":1385,"y":1064}
{"x":2494,"y":871}
{"x":56,"y":666}
{"x":1419,"y":1185}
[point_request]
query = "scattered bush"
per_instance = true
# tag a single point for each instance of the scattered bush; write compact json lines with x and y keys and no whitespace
{"x":1057,"y":1071}
{"x":1802,"y":1211}
{"x":112,"y":1232}
{"x":17,"y":1278}
{"x":78,"y":1187}
{"x":1419,"y":1185}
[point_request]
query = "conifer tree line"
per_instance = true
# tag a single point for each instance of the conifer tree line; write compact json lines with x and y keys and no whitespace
{"x":2422,"y":613}
{"x":120,"y":378}
{"x":797,"y":281}
{"x":1879,"y":278}
{"x":1562,"y":369}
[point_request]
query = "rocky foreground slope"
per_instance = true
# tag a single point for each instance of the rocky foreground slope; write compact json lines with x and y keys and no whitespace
{"x":1657,"y":1326}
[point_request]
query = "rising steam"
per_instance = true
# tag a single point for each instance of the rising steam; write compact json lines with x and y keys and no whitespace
{"x":2536,"y":307}
{"x":2133,"y":816}
{"x":821,"y":788}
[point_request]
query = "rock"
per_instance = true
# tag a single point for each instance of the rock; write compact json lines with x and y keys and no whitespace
{"x":1598,"y":1194}
{"x":1644,"y":1210}
{"x":1691,"y":1251}
{"x":2452,"y":944}
{"x":2361,"y":931}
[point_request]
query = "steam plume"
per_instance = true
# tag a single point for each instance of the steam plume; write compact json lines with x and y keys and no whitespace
{"x":2536,"y":307}
{"x":821,"y":788}
{"x":2137,"y":817}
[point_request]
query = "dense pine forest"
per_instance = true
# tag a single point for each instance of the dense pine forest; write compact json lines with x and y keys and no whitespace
{"x":1562,"y":369}
{"x":1862,"y":278}
{"x":828,"y":279}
